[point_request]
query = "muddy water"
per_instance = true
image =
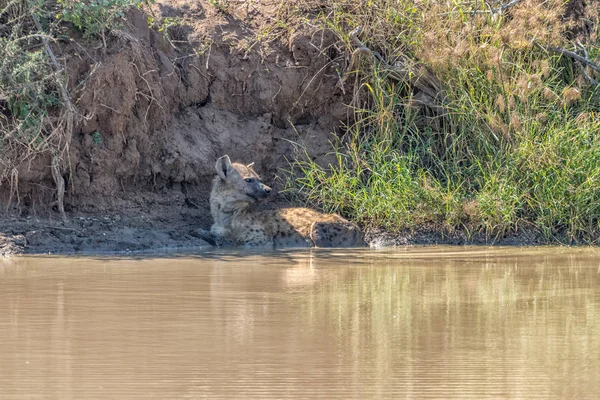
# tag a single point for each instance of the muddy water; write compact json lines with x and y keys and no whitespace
{"x":417,"y":323}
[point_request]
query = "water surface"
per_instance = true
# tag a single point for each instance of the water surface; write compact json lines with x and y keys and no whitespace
{"x":432,"y":322}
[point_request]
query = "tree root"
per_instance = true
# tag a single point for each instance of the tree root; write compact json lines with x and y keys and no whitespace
{"x":58,"y":159}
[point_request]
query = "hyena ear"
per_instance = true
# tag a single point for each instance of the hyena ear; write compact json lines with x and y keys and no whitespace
{"x":223,"y":166}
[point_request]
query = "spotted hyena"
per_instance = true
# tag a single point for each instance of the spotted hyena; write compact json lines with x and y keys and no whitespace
{"x":235,"y":191}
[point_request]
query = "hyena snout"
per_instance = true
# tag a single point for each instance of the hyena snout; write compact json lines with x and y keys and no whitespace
{"x":258,"y":190}
{"x":264,"y":190}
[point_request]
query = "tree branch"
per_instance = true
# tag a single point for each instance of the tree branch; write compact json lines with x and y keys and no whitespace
{"x":571,"y":54}
{"x":582,"y":67}
{"x":505,"y":6}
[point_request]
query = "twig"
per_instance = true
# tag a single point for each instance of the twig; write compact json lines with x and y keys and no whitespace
{"x":582,"y":47}
{"x":360,"y":46}
{"x":582,"y":67}
{"x":504,"y":7}
{"x":110,"y":108}
{"x":568,"y":53}
{"x":492,"y":11}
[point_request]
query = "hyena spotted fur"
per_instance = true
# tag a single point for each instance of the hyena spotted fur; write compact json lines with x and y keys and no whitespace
{"x":235,"y":191}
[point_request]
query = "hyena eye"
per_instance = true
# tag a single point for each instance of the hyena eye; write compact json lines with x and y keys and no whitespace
{"x":248,"y":180}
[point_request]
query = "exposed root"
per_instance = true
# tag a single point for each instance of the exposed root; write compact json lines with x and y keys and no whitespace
{"x":60,"y":185}
{"x":58,"y":164}
{"x":14,"y":188}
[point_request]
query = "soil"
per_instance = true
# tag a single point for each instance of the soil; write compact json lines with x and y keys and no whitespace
{"x":157,"y":108}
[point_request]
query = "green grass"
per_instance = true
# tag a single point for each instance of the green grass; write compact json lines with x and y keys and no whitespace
{"x":518,"y":145}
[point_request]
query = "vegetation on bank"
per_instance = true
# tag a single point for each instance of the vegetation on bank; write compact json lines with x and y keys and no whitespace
{"x":510,"y":138}
{"x":36,"y":115}
{"x":513,"y":143}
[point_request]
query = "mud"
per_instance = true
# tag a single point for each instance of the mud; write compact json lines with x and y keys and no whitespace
{"x":174,"y":228}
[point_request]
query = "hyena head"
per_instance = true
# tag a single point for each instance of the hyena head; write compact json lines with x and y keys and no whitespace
{"x":240,"y":181}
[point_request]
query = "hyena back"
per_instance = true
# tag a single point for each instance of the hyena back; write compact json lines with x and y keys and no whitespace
{"x":237,"y":188}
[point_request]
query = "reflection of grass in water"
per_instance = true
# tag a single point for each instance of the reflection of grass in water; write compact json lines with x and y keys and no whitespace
{"x":525,"y":312}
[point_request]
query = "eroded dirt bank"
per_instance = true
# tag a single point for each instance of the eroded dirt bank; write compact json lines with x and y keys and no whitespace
{"x":156,"y":109}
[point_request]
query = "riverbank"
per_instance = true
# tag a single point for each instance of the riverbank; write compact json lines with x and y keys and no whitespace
{"x":423,"y":122}
{"x":166,"y":228}
{"x":173,"y":229}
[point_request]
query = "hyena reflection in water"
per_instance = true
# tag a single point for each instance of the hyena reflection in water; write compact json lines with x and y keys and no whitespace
{"x":235,"y":191}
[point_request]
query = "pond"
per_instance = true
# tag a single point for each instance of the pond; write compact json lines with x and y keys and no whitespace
{"x":419,"y":322}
